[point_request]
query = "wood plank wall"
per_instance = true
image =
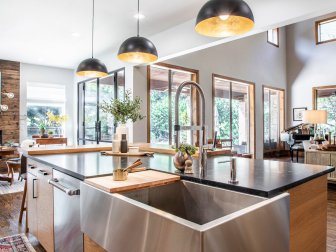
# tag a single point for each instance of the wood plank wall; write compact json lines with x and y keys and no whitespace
{"x":10,"y":82}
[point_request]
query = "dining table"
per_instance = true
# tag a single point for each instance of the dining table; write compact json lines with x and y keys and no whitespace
{"x":6,"y":151}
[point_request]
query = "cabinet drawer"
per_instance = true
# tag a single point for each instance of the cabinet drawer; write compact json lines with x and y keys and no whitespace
{"x":32,"y":167}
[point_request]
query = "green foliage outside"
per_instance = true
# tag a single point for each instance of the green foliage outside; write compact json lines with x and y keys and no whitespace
{"x":159,"y":107}
{"x":329,"y":104}
{"x":223,"y":119}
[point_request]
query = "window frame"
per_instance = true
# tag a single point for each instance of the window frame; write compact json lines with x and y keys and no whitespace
{"x":45,"y":102}
{"x":263,"y":111}
{"x":317,"y":31}
{"x":195,"y":117}
{"x":270,"y":42}
{"x":252,"y":116}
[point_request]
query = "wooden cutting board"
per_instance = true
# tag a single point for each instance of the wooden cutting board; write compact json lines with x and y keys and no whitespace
{"x":136,"y":180}
{"x":48,"y":150}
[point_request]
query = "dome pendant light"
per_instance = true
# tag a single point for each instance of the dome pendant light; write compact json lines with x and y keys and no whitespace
{"x":92,"y":67}
{"x":138,"y":49}
{"x":224,"y":18}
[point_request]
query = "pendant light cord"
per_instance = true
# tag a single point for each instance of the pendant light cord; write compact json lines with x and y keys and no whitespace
{"x":138,"y":24}
{"x":93,"y":5}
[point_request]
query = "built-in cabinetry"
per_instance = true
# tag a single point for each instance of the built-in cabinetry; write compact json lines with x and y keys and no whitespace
{"x":40,"y":204}
{"x":322,"y":158}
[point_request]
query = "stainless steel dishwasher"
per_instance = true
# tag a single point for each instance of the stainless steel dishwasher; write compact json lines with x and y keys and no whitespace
{"x":67,"y":231}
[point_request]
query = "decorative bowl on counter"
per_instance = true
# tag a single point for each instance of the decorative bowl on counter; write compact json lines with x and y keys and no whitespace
{"x":180,"y":160}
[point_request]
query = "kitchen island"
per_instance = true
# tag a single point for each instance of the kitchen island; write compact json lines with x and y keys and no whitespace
{"x":306,"y":184}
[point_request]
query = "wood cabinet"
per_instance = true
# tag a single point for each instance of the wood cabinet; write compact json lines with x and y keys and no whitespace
{"x":40,"y":204}
{"x":32,"y":203}
{"x":322,"y":158}
{"x":308,"y":216}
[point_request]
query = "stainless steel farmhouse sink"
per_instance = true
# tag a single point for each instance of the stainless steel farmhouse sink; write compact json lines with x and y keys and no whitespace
{"x":185,"y":216}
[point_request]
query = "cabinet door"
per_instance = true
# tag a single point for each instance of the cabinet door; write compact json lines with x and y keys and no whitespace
{"x":45,"y":208}
{"x":31,"y":203}
{"x":332,"y":176}
{"x":318,"y":158}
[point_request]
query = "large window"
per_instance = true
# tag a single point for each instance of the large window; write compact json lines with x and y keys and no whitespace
{"x":326,"y":30}
{"x":325,"y":99}
{"x":274,"y":118}
{"x":94,"y":125}
{"x":163,"y":81}
{"x":41,"y":98}
{"x":233,"y":115}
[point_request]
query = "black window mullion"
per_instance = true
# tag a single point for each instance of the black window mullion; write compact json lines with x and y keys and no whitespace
{"x":269,"y":118}
{"x":170,"y":119}
{"x":231,"y":112}
{"x":97,"y":107}
{"x":84,"y":87}
{"x":115,"y":83}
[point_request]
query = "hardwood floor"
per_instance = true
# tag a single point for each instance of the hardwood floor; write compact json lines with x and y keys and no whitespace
{"x":10,"y":208}
{"x":9,"y":216}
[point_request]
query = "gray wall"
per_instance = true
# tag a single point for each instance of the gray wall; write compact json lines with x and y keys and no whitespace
{"x":251,"y":59}
{"x":308,"y":65}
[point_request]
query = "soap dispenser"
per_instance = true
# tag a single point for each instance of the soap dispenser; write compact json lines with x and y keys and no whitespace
{"x":123,"y":144}
{"x":116,"y":144}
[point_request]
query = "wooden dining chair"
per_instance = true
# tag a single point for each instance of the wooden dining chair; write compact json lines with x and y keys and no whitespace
{"x":13,"y":165}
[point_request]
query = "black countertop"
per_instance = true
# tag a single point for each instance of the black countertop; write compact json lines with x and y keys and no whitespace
{"x":259,"y":177}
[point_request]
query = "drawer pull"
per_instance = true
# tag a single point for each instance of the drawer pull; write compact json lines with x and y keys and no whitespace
{"x":34,"y":197}
{"x":43,"y":172}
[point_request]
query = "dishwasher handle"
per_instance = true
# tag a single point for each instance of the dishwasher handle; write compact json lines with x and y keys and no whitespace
{"x":54,"y":182}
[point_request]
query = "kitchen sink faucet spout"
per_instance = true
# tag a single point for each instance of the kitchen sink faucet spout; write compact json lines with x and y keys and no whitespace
{"x":202,"y":128}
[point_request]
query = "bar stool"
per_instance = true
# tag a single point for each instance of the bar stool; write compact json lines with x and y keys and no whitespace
{"x":23,"y":202}
{"x":12,"y":165}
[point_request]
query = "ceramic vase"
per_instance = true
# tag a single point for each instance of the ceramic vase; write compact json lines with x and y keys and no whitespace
{"x":180,"y":160}
{"x":122,"y":129}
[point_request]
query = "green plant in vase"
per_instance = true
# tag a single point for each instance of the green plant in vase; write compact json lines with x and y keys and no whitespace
{"x":42,"y":125}
{"x":50,"y":133}
{"x":123,"y":111}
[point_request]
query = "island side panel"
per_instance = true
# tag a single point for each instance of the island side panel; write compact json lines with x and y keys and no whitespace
{"x":308,"y":216}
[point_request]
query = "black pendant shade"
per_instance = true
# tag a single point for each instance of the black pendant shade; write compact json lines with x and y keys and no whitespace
{"x":224,"y":18}
{"x":92,"y":68}
{"x":137,"y":50}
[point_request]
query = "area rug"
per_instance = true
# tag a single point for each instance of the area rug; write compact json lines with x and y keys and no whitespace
{"x":16,"y":187}
{"x":16,"y":243}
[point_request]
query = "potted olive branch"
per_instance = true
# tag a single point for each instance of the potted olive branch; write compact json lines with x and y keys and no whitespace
{"x":123,"y":111}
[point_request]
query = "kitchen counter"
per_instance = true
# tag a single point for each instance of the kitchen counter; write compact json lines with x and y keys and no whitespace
{"x":259,"y":177}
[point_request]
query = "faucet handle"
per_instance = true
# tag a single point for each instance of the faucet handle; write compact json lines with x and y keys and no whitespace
{"x":233,"y":171}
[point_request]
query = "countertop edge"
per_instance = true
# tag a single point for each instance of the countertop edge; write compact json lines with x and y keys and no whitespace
{"x":262,"y":193}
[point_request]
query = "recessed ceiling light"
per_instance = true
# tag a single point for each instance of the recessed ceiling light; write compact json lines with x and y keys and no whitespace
{"x":75,"y":34}
{"x":40,"y":59}
{"x":139,"y":16}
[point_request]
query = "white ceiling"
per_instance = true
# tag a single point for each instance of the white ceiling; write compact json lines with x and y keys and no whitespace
{"x":40,"y":31}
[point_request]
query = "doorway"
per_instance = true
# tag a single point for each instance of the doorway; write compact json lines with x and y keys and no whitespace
{"x":95,"y":126}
